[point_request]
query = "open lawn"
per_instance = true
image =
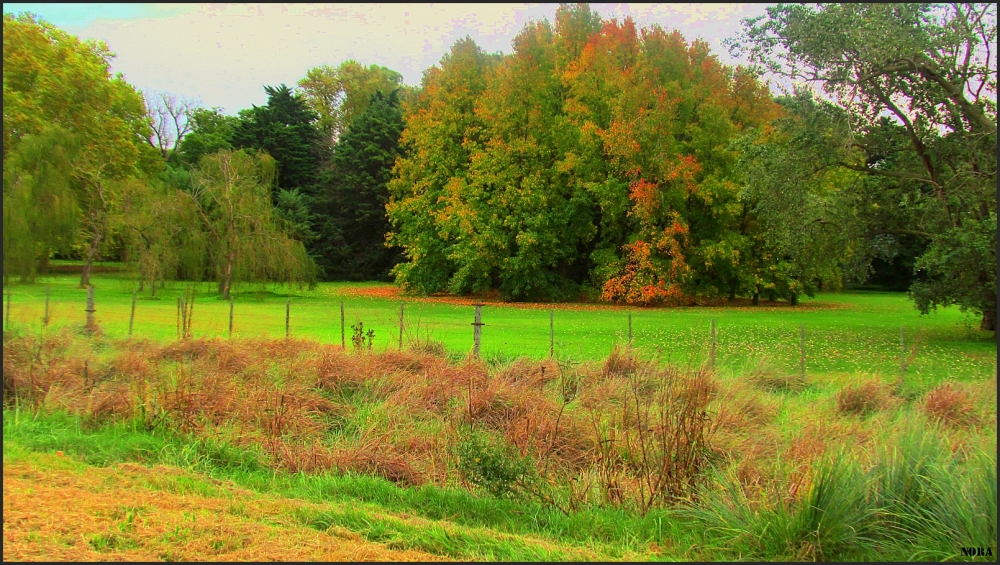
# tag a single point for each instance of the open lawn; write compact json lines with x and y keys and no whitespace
{"x":845,"y":333}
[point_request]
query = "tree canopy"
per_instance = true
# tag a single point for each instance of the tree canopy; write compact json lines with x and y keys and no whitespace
{"x":340,"y":94}
{"x":53,"y":82}
{"x":596,"y":156}
{"x":248,"y":240}
{"x":353,"y":205}
{"x":598,"y":159}
{"x":916,"y":88}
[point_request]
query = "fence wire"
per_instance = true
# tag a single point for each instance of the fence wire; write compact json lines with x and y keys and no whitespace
{"x":510,"y":331}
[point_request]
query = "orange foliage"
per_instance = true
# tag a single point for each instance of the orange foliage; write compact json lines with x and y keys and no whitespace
{"x":646,"y":279}
{"x":644,"y":194}
{"x":685,"y":171}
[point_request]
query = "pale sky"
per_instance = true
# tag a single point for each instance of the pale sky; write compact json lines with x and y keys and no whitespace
{"x":223,"y":54}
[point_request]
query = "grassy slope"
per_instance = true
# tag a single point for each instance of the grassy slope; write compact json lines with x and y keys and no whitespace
{"x":47,"y":457}
{"x":845,"y":333}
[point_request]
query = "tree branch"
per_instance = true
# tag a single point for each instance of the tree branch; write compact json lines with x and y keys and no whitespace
{"x":892,"y":174}
{"x":900,"y":232}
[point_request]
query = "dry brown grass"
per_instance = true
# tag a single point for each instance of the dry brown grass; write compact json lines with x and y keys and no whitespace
{"x":765,"y":376}
{"x":950,"y":404}
{"x":288,"y":398}
{"x":864,"y":398}
{"x":623,"y":431}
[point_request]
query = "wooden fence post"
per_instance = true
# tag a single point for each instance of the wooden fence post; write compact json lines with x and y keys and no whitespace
{"x":476,"y":329}
{"x":230,"y":317}
{"x":400,"y":326}
{"x":802,"y":350}
{"x":90,"y":308}
{"x":45,"y":320}
{"x":288,"y":311}
{"x":343,"y":342}
{"x":552,"y":334}
{"x":711,"y":355}
{"x":131,"y":316}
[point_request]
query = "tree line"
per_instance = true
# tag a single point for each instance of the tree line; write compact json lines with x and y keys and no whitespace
{"x":598,"y":160}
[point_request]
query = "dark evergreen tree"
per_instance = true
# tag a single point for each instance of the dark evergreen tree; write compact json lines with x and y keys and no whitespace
{"x":352,"y":235}
{"x":285,"y":129}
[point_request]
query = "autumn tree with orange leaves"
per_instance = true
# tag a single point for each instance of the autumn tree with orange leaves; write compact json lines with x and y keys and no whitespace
{"x":595,"y":159}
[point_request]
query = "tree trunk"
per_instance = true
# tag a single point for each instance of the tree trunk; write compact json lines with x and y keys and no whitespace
{"x":226,"y":280}
{"x":756,"y":298}
{"x":732,"y":292}
{"x":793,"y":300}
{"x":989,"y":322}
{"x":91,"y":253}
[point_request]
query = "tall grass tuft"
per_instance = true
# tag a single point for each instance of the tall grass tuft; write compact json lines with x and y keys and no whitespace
{"x":929,"y":501}
{"x":917,"y":501}
{"x":828,"y":522}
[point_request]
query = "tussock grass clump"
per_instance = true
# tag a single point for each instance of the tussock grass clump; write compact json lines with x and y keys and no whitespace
{"x":864,"y":398}
{"x":621,"y":362}
{"x":765,"y":376}
{"x":916,"y":500}
{"x":950,"y":405}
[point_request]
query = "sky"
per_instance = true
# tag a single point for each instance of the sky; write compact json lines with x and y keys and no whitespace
{"x":223,"y":54}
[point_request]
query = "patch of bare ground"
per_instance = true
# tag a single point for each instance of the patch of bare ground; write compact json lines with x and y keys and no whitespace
{"x":60,"y":511}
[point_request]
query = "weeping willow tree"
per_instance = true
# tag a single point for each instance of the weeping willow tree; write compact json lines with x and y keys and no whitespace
{"x":40,"y":209}
{"x":247,"y":240}
{"x":154,"y":223}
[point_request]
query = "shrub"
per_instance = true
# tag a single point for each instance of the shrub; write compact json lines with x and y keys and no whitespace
{"x":489,"y":462}
{"x":359,"y":335}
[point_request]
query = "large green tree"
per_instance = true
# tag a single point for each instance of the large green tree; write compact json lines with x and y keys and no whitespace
{"x":340,"y":94}
{"x":441,"y":125}
{"x":285,"y":129}
{"x":160,"y":231}
{"x":808,"y":209}
{"x":595,"y":155}
{"x":247,"y":240}
{"x":52,"y":79}
{"x":352,"y":243}
{"x":40,"y":210}
{"x":917,"y":85}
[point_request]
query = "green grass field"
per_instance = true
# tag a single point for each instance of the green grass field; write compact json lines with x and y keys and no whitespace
{"x":289,"y":445}
{"x":846,"y":333}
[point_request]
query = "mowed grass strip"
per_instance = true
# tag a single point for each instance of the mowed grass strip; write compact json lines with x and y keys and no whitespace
{"x":852,"y":332}
{"x":59,"y":509}
{"x":450,"y":522}
{"x":134,"y":512}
